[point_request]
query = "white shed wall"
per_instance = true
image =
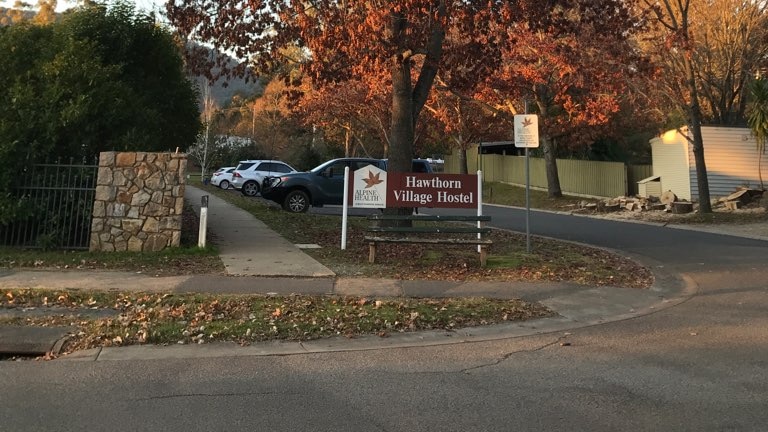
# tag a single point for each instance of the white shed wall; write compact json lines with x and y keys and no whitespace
{"x":731,"y":157}
{"x":670,"y":161}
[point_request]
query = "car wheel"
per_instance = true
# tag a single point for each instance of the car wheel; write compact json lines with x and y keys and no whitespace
{"x":296,"y":202}
{"x":224,"y":184}
{"x":251,"y":188}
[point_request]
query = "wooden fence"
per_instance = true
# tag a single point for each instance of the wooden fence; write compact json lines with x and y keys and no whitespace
{"x":577,"y":177}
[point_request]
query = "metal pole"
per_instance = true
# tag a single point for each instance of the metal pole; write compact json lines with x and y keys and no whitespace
{"x":527,"y":196}
{"x":527,"y":203}
{"x":344,"y":210}
{"x":479,"y":205}
{"x":480,"y":156}
{"x":203,"y":232}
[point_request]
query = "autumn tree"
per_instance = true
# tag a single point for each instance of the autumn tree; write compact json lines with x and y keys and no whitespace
{"x":571,"y":69}
{"x":463,"y":119}
{"x":404,"y":39}
{"x":46,"y":12}
{"x":345,"y":39}
{"x":674,"y":44}
{"x":355,"y":113}
{"x":24,"y":12}
{"x":19,"y":13}
{"x":729,"y":38}
{"x":273,"y":122}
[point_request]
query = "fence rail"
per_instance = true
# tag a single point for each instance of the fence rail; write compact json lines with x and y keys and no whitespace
{"x":55,"y":204}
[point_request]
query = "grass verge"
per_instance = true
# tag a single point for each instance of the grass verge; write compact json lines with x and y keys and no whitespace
{"x":550,"y":260}
{"x":193,"y":318}
{"x":177,"y":261}
{"x":506,"y":194}
{"x":186,"y":259}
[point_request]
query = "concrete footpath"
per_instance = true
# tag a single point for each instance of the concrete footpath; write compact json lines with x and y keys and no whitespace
{"x":247,"y":247}
{"x":259,"y":261}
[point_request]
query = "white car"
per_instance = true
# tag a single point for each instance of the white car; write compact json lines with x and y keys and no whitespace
{"x":222,"y":177}
{"x":249,"y":174}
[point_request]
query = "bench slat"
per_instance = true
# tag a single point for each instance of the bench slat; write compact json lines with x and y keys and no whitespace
{"x":432,"y":230}
{"x":483,"y":244}
{"x":428,"y":240}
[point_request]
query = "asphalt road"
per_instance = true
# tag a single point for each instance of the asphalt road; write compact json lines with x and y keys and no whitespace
{"x":676,"y":247}
{"x":699,"y":366}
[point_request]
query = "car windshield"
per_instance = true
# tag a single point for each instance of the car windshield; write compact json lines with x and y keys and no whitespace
{"x":352,"y":163}
{"x":321,"y":167}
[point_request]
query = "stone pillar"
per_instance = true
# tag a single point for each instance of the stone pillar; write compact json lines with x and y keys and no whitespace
{"x":139,"y":201}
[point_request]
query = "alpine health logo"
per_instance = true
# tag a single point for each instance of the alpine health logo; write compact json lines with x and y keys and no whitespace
{"x":369,"y":188}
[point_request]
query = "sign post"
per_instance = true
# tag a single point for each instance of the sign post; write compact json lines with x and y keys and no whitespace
{"x":345,"y":210}
{"x":363,"y":188}
{"x":479,"y":204}
{"x":527,"y":136}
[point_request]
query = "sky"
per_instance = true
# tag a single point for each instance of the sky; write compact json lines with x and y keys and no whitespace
{"x":62,"y":5}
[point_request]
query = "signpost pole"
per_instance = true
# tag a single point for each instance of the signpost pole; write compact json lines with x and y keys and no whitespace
{"x":527,"y":203}
{"x":344,"y":210}
{"x":479,"y":204}
{"x":526,"y":136}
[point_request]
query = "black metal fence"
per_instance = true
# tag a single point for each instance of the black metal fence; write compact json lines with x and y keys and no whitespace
{"x":55,"y":207}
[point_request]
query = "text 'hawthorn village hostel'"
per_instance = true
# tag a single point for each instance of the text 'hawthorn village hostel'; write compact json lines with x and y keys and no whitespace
{"x":432,"y":190}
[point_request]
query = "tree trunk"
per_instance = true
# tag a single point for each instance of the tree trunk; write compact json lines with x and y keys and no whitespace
{"x":550,"y":163}
{"x":402,"y":118}
{"x":463,"y":169}
{"x":402,"y":127}
{"x":705,"y":206}
{"x":407,"y":99}
{"x":347,"y":140}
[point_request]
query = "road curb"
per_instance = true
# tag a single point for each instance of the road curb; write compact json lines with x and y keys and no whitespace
{"x":673,"y":290}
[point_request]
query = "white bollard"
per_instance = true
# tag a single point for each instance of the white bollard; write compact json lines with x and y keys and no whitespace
{"x":203,"y":232}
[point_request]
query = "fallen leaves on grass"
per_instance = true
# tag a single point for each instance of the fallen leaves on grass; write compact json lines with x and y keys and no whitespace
{"x":184,"y":319}
{"x":550,"y":260}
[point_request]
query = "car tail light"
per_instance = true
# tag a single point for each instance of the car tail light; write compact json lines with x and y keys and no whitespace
{"x":237,"y":174}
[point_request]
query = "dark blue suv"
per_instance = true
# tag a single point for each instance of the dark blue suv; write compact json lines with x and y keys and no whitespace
{"x":322,"y":185}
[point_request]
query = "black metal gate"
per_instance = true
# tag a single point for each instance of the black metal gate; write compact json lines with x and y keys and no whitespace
{"x":55,"y":204}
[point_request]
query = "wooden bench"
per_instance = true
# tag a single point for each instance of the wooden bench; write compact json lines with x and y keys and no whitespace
{"x":401,"y":234}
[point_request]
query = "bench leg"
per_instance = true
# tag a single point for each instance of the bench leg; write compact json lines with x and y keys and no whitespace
{"x":483,"y":255}
{"x":371,"y":252}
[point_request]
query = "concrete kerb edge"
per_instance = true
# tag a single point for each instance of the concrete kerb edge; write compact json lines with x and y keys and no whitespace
{"x":57,"y":346}
{"x":685,"y":288}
